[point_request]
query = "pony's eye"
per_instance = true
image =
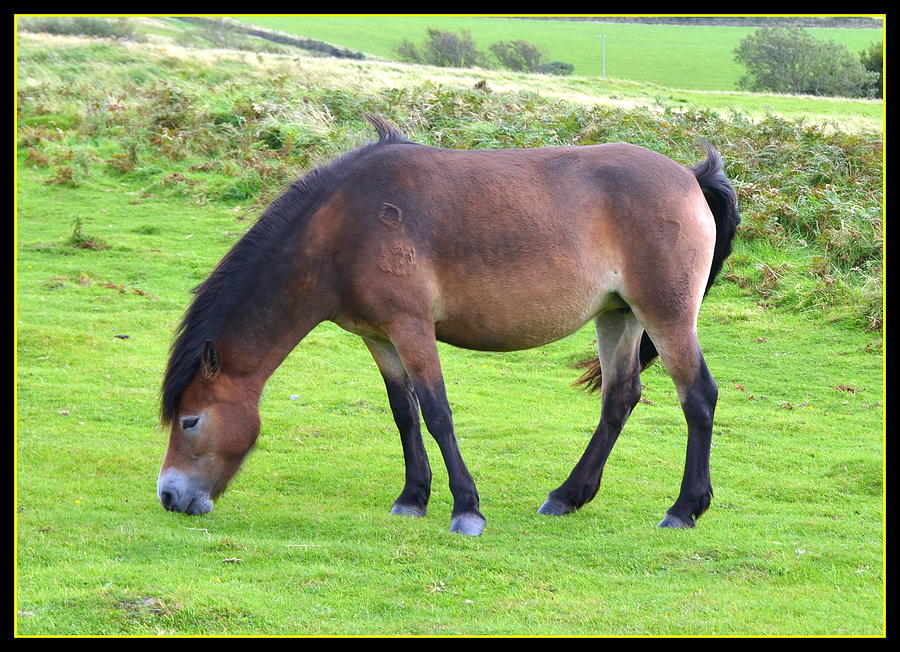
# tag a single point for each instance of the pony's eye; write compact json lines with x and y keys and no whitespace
{"x":187,"y":423}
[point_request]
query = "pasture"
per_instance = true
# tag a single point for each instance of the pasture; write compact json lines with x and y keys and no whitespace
{"x":139,"y":167}
{"x":695,"y":57}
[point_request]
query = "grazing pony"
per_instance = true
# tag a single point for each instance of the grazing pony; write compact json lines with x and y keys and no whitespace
{"x":496,"y":250}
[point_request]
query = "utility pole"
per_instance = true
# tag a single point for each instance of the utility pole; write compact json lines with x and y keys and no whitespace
{"x":602,"y":56}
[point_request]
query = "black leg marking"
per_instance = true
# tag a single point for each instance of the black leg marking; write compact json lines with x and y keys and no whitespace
{"x":618,"y":339}
{"x":413,"y":500}
{"x":415,"y":344}
{"x":467,"y":519}
{"x":699,"y":405}
{"x":583,"y":483}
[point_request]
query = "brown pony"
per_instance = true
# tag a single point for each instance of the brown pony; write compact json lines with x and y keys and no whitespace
{"x":496,"y":250}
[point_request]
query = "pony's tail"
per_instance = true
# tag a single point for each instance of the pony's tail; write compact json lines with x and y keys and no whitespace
{"x":722,"y":201}
{"x":592,"y":379}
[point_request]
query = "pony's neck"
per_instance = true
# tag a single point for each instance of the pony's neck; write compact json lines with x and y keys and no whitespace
{"x":273,"y":287}
{"x":288,"y":297}
{"x":254,"y":355}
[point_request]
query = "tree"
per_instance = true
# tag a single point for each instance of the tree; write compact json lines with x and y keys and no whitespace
{"x":443,"y":48}
{"x":790,"y":60}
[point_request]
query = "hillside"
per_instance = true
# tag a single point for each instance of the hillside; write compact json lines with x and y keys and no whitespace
{"x":698,"y":57}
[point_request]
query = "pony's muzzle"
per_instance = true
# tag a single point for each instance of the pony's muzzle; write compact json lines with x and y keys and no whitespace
{"x":177,"y":493}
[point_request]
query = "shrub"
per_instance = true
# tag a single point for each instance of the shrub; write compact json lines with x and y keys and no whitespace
{"x":790,"y":60}
{"x":447,"y":49}
{"x":272,"y":36}
{"x":80,"y":240}
{"x":518,"y":55}
{"x":556,"y":68}
{"x":443,"y":48}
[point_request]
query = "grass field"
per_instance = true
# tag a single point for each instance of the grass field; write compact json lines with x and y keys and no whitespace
{"x":676,"y":56}
{"x":139,"y":166}
{"x":792,"y":544}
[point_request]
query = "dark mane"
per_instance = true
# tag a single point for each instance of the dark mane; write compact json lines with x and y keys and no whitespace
{"x":215,"y":297}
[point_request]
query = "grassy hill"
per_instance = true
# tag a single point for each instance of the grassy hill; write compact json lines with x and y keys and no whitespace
{"x":675,"y":56}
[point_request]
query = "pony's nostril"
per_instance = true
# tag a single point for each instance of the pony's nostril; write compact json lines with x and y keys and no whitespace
{"x":167,"y":499}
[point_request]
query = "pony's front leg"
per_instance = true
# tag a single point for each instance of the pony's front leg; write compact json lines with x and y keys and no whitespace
{"x":413,"y":500}
{"x":416,"y":345}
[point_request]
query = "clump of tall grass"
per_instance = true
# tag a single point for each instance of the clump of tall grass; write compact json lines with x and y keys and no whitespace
{"x":81,"y":240}
{"x":217,"y":131}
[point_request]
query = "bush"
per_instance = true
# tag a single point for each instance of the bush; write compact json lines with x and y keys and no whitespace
{"x":518,"y":55}
{"x":556,"y":68}
{"x":790,"y":60}
{"x":442,"y":48}
{"x":458,"y":50}
{"x":221,"y":25}
{"x":80,"y":240}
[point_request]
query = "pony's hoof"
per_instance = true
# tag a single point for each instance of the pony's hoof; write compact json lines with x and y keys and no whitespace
{"x":470,"y":524}
{"x":413,"y":511}
{"x":674,"y":522}
{"x":555,"y":507}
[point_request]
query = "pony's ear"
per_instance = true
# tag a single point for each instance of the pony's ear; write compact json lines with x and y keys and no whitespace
{"x":209,"y":361}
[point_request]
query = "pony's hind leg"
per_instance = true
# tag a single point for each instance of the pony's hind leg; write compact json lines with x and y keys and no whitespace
{"x":618,"y":341}
{"x":680,"y":353}
{"x":413,"y":500}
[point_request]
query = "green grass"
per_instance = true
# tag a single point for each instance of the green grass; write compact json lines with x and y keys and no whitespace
{"x":792,"y":544}
{"x":676,"y":56}
{"x":116,"y":223}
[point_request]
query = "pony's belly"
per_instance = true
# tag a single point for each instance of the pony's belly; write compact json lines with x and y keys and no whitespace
{"x":491,"y":339}
{"x":507,"y":324}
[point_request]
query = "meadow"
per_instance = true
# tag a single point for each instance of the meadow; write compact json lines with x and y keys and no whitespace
{"x":696,"y":57}
{"x":140,"y":165}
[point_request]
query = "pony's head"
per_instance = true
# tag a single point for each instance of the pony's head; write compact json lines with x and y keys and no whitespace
{"x":213,"y":425}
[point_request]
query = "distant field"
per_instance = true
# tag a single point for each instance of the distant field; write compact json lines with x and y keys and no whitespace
{"x":677,"y":56}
